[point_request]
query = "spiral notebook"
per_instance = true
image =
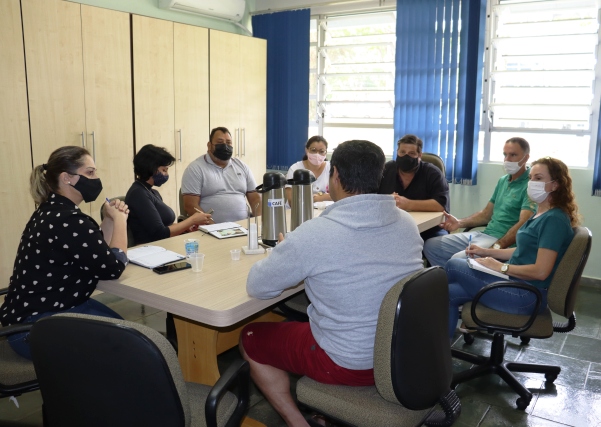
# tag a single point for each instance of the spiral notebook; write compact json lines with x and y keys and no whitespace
{"x":477,"y":266}
{"x":224,"y":230}
{"x":152,"y":256}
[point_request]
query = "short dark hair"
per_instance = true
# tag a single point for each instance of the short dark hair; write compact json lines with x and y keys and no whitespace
{"x":219,"y":129}
{"x":360,"y":166}
{"x":522,"y":143}
{"x":149,"y":159}
{"x":413,"y":140}
{"x":316,"y":138}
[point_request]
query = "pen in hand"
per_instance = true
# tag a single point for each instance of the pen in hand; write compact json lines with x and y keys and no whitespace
{"x":469,"y":244}
{"x":208,"y":213}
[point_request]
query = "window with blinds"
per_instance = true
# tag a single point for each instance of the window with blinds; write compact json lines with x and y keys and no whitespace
{"x":542,"y":66}
{"x":352,"y":78}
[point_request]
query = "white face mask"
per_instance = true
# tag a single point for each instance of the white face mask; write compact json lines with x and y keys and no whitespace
{"x":316,"y":159}
{"x":536,"y":191}
{"x":512,"y":167}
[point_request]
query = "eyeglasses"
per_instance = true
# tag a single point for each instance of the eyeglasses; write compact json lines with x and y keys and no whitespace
{"x":316,"y":151}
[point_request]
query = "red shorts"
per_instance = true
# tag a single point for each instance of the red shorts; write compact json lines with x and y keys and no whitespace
{"x":290,"y":346}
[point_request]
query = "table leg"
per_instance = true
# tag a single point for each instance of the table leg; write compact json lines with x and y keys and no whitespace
{"x":199,"y":345}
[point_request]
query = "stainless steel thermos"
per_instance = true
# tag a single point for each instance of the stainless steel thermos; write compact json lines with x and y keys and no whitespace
{"x":302,"y":197}
{"x":273,"y":207}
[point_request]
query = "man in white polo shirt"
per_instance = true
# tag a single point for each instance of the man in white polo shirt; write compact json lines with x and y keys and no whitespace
{"x":216,"y":181}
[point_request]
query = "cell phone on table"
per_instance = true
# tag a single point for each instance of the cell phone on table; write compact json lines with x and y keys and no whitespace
{"x":170,"y":268}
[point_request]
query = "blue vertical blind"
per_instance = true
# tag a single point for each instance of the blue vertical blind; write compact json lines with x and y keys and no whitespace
{"x":438,"y":82}
{"x":597,"y":166}
{"x":287,"y":35}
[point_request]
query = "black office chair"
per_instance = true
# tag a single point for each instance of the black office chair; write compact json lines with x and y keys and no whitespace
{"x":412,"y":363}
{"x":96,"y":371}
{"x":17,"y":375}
{"x":561,"y":298}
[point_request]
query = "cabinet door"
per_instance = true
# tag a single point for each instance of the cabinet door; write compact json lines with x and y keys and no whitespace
{"x":225,"y":83}
{"x":107,"y":71}
{"x":191,"y":82}
{"x":16,"y":204}
{"x":253,"y":99}
{"x":52,"y":32}
{"x":153,"y":90}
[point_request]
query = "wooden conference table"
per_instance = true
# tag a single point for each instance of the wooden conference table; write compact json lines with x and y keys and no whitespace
{"x":211,"y":307}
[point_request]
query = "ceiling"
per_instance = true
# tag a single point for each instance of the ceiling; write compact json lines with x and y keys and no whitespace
{"x":322,"y":7}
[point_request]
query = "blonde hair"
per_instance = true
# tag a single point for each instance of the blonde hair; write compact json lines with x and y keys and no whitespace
{"x":44,"y":178}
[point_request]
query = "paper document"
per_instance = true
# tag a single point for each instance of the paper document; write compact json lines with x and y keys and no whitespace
{"x":224,"y":230}
{"x":477,"y":266}
{"x":152,"y":256}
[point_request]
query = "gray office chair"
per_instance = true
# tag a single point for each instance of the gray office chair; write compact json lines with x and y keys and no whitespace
{"x":436,"y":160}
{"x":412,"y":363}
{"x":130,"y":235}
{"x":182,"y":212}
{"x":561,"y":298}
{"x":17,"y":375}
{"x":96,"y":371}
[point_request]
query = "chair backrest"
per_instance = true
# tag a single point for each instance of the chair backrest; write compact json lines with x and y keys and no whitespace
{"x":564,"y":285}
{"x":130,"y":234}
{"x":97,"y":371}
{"x":436,"y":160}
{"x":412,"y":353}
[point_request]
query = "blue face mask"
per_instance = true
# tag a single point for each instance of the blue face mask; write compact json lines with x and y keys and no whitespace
{"x":159,"y":179}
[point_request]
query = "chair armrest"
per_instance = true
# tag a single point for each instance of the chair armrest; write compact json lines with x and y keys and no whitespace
{"x":3,"y":291}
{"x":506,"y":284}
{"x":15,"y":329}
{"x":237,"y":374}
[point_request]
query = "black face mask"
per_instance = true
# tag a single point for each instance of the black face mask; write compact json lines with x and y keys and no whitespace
{"x":89,"y":188}
{"x":407,"y":163}
{"x":159,"y":179}
{"x":223,"y":151}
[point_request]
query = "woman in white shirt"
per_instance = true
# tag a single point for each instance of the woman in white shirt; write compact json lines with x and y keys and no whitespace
{"x":315,"y":161}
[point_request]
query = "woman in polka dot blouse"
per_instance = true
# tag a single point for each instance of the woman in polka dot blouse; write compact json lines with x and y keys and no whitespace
{"x":63,"y":253}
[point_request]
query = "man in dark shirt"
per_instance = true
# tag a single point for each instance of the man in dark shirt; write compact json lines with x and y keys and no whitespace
{"x":416,"y":185}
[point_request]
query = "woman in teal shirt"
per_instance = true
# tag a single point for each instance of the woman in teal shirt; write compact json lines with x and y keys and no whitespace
{"x":540,"y":245}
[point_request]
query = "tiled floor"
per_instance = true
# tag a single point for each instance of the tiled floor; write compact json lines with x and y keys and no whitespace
{"x":574,"y":400}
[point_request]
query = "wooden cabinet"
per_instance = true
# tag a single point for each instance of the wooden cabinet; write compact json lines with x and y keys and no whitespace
{"x":153,"y":90}
{"x":191,"y":82}
{"x":16,"y":205}
{"x":171,"y":93}
{"x":238,"y":94}
{"x":79,"y":82}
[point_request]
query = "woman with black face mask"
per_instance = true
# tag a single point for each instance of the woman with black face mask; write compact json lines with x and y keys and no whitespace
{"x":414,"y":184}
{"x":150,"y":218}
{"x":63,"y":253}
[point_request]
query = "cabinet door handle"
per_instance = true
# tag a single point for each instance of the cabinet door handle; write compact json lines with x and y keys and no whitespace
{"x":238,"y":141}
{"x":94,"y":145}
{"x":83,"y":140}
{"x":244,"y":141}
{"x":180,"y":145}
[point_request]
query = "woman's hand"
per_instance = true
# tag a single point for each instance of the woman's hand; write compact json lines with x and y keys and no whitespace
{"x":115,"y":209}
{"x":201,"y":219}
{"x":491,"y":263}
{"x":475,"y":250}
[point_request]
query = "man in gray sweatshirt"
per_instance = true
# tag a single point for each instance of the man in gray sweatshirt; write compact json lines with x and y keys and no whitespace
{"x":348,"y":257}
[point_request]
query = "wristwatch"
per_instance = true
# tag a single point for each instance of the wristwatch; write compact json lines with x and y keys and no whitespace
{"x":496,"y":246}
{"x":504,"y":268}
{"x":319,"y":193}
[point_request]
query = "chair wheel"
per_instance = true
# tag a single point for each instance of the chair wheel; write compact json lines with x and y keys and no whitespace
{"x":550,"y":378}
{"x":522,"y":403}
{"x":468,"y":338}
{"x":525,"y":340}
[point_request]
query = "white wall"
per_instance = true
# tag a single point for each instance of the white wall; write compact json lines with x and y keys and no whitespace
{"x":466,"y":200}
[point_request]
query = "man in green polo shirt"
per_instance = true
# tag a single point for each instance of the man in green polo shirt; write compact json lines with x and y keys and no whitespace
{"x":508,"y":208}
